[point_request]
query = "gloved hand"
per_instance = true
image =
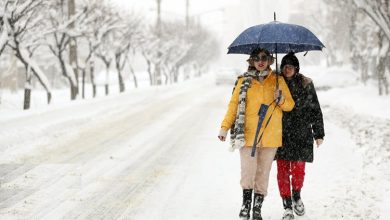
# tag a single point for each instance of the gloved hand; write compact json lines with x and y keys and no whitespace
{"x":222,"y":135}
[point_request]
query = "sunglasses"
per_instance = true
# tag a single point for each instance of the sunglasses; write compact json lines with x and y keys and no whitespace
{"x":260,"y":58}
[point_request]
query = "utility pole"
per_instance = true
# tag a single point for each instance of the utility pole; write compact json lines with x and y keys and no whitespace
{"x":187,"y":13}
{"x":73,"y":48}
{"x":158,"y":16}
{"x":157,"y":77}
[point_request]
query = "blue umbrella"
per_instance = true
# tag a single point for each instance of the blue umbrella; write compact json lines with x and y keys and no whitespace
{"x":276,"y":37}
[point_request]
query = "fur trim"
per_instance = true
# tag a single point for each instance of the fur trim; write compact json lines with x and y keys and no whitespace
{"x":306,"y":81}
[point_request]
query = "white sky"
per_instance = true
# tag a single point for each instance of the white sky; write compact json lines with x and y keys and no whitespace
{"x":257,"y":11}
{"x":176,"y":6}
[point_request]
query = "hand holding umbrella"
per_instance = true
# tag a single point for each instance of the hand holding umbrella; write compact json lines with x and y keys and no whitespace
{"x":278,"y":97}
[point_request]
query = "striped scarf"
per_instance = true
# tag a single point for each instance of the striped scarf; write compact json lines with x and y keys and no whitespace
{"x":237,"y":134}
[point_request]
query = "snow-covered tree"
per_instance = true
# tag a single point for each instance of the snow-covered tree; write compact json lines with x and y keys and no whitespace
{"x":379,"y":12}
{"x":204,"y":50}
{"x":60,"y":35}
{"x":338,"y":34}
{"x":363,"y":45}
{"x":173,"y":48}
{"x":177,"y":47}
{"x":364,"y":25}
{"x":23,"y":22}
{"x":125,"y":39}
{"x":148,"y":46}
{"x":94,"y":29}
{"x":105,"y":51}
{"x":3,"y":29}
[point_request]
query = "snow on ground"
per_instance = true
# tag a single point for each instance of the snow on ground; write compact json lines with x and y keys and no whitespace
{"x":348,"y":93}
{"x":152,"y":153}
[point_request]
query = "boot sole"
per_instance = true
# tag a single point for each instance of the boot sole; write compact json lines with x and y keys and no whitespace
{"x":299,"y":213}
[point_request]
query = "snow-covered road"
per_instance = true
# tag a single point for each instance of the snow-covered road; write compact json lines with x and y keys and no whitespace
{"x":153,"y":154}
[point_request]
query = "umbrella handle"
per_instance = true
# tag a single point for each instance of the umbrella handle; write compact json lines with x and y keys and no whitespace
{"x":262,"y":113}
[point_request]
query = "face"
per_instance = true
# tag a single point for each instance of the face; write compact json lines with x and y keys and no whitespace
{"x":288,"y":71}
{"x":261,"y":62}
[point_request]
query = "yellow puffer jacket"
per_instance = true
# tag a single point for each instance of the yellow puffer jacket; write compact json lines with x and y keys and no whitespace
{"x":257,"y":94}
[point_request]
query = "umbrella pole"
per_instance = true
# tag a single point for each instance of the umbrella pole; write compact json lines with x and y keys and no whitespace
{"x":277,"y":72}
{"x":276,"y":66}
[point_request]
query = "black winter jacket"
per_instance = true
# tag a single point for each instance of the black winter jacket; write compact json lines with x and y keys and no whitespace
{"x":303,"y":124}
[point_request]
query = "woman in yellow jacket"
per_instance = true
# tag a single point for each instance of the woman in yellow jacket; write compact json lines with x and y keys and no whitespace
{"x":259,"y":85}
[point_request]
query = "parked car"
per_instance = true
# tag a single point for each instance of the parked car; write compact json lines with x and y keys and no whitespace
{"x":227,"y":76}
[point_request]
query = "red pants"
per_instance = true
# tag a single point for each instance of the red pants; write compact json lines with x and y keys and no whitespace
{"x":297,"y":171}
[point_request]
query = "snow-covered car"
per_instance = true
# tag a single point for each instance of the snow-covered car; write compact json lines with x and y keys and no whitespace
{"x":226,"y":76}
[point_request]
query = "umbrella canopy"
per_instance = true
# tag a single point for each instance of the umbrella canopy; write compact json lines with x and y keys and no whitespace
{"x":276,"y":37}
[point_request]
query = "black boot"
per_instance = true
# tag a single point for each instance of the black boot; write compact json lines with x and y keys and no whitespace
{"x":258,"y":202}
{"x":298,"y":206}
{"x":246,"y":203}
{"x":287,"y":203}
{"x":288,"y":212}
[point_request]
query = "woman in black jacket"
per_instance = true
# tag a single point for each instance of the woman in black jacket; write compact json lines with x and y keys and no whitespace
{"x":300,"y":127}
